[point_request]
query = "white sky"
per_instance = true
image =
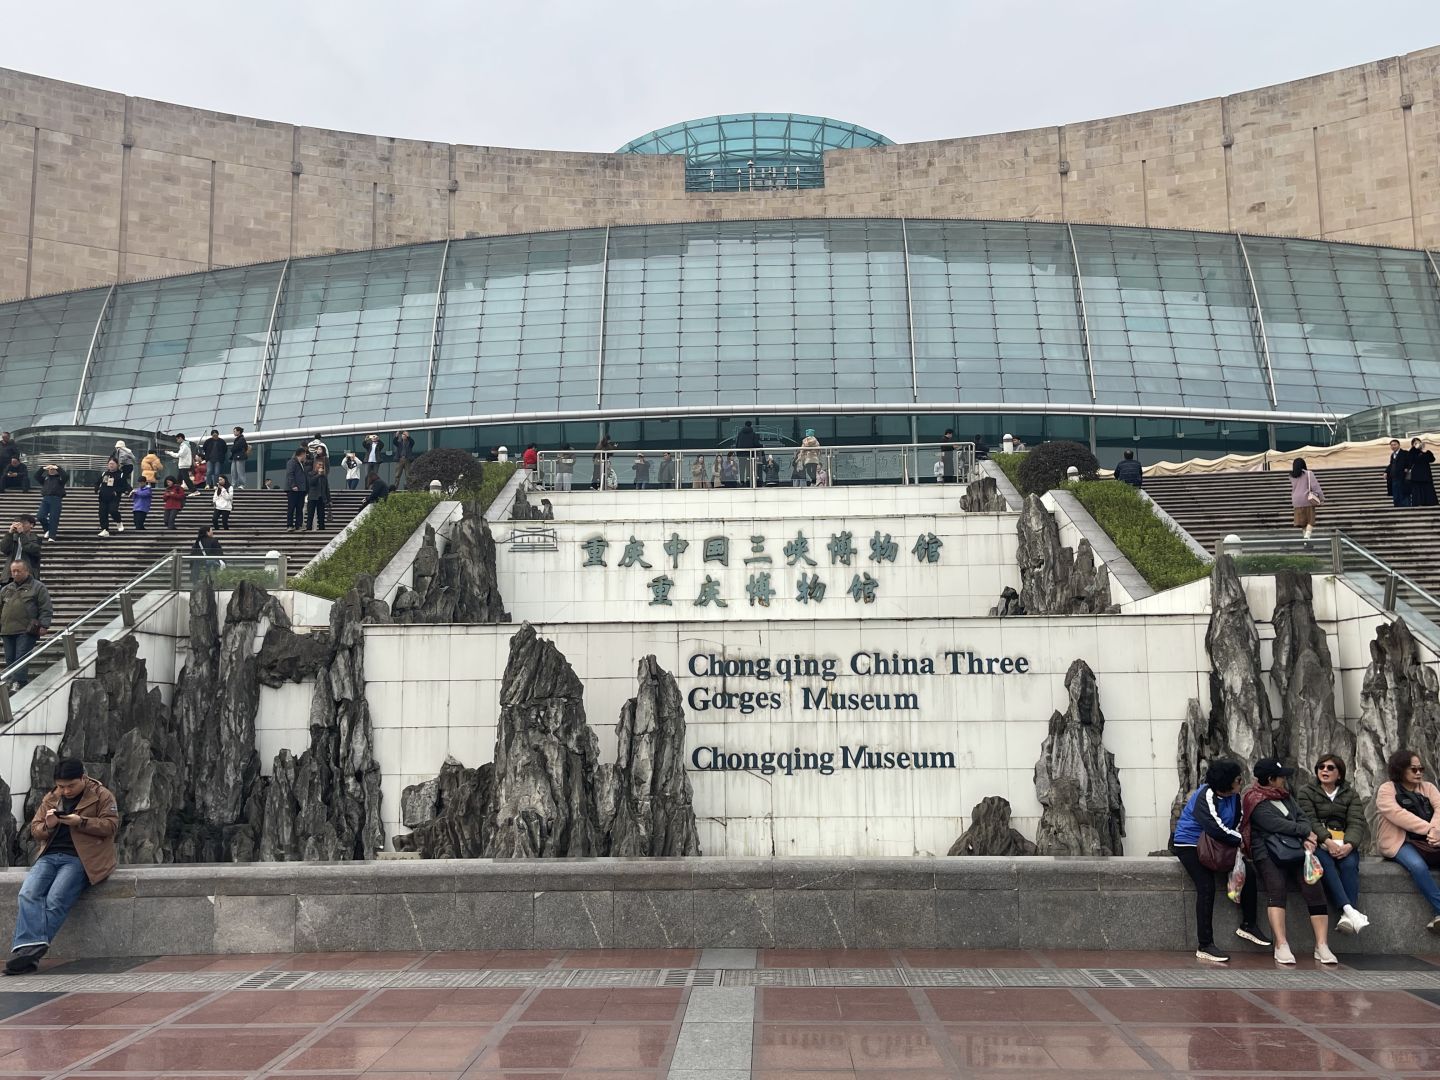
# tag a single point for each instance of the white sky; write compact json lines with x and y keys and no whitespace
{"x":566,"y":74}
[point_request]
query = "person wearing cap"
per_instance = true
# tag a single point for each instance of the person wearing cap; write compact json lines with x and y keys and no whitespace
{"x":124,"y":459}
{"x":810,"y":457}
{"x":1277,"y":837}
{"x":1407,"y":825}
{"x":74,"y":827}
{"x":52,"y":494}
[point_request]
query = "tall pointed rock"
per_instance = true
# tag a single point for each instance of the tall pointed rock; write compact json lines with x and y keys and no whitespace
{"x":1076,"y":780}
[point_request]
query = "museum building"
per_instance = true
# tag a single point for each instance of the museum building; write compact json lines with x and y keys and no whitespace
{"x":1159,"y":281}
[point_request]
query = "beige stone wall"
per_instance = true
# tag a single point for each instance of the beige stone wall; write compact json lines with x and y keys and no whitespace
{"x":95,"y":186}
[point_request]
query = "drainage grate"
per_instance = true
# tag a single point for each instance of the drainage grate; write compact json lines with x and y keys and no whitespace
{"x":705,"y":977}
{"x":1119,"y":977}
{"x":274,"y":980}
{"x":595,"y":977}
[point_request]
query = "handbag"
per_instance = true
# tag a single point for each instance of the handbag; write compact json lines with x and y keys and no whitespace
{"x":1285,"y":850}
{"x":1214,"y":854}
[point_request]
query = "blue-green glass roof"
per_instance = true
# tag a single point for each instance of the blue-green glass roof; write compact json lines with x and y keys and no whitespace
{"x":754,"y":138}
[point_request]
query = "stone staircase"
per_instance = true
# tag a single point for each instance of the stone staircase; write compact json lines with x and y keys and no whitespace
{"x":1210,"y":507}
{"x":81,"y":569}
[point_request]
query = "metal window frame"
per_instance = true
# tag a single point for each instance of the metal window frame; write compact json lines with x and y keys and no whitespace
{"x":90,"y":352}
{"x":435,"y":327}
{"x":1259,"y":317}
{"x":604,"y":278}
{"x":909,"y":311}
{"x":262,"y":381}
{"x":1084,"y":315}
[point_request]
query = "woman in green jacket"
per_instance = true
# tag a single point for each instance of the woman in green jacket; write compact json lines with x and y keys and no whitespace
{"x":1338,"y":812}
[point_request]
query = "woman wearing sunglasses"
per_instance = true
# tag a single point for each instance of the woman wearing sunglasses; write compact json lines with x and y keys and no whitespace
{"x":1408,"y":825}
{"x":1338,"y":812}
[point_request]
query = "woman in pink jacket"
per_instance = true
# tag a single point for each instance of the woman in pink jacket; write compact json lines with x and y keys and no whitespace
{"x":1408,"y":825}
{"x":1305,"y":495}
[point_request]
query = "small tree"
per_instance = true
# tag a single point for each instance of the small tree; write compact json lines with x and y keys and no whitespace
{"x":455,"y":469}
{"x":1046,"y":466}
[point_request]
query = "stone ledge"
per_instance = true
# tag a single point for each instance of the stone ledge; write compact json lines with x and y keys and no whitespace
{"x":921,"y":902}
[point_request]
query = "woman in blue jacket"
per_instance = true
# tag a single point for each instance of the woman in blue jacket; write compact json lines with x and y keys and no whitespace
{"x":1214,"y":809}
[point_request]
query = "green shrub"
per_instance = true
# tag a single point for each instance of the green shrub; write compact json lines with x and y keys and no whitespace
{"x":384,"y":531}
{"x":231,"y":579}
{"x":1253,"y":565}
{"x":1010,"y":465}
{"x":1047,"y":466}
{"x":455,"y":469}
{"x":1163,"y":559}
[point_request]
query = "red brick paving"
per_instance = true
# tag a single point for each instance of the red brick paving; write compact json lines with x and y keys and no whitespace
{"x":799,"y":1033}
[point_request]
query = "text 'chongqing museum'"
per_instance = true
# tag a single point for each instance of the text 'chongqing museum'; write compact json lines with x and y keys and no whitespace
{"x":1228,"y":275}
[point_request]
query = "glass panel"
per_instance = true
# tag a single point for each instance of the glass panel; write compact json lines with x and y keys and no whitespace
{"x":43,"y":344}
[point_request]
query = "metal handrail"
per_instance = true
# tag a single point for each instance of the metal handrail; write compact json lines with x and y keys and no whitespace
{"x":750,"y":462}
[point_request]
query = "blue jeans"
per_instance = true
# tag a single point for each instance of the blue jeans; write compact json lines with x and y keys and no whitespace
{"x":17,"y":647}
{"x":49,"y":514}
{"x":1400,"y":492}
{"x":1342,"y":879}
{"x":51,"y":888}
{"x":1413,"y":861}
{"x":237,"y":472}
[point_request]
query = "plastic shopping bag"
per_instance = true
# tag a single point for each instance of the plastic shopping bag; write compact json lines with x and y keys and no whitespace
{"x":1235,"y":883}
{"x":1313,"y":870}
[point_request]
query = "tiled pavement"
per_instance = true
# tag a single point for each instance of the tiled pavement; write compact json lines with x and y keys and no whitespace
{"x":720,"y":1015}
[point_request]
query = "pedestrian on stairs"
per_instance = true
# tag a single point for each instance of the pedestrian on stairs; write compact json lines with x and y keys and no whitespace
{"x":123,"y":456}
{"x":297,"y":482}
{"x":24,"y":543}
{"x":151,"y":467}
{"x":215,"y":452}
{"x":184,"y":454}
{"x":52,"y":495}
{"x":1422,"y":480}
{"x":1306,"y":496}
{"x":317,"y":491}
{"x":173,"y":500}
{"x":110,"y":488}
{"x":1397,"y":474}
{"x":224,"y":500}
{"x":239,"y":455}
{"x":25,"y":614}
{"x":140,"y":499}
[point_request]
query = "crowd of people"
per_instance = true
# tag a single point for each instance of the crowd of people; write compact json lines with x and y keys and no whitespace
{"x":1308,"y":840}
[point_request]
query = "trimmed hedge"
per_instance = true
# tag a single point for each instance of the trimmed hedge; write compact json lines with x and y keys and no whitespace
{"x":1010,"y":466}
{"x":1163,"y":559}
{"x":384,"y":531}
{"x":1047,"y":466}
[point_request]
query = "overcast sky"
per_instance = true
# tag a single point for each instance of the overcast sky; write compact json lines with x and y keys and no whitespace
{"x":566,"y":74}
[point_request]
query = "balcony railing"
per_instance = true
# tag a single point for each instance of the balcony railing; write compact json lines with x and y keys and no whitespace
{"x":753,"y":177}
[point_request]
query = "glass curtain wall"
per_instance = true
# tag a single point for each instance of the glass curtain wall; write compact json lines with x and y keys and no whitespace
{"x":183,"y":354}
{"x":43,"y":345}
{"x":749,"y":313}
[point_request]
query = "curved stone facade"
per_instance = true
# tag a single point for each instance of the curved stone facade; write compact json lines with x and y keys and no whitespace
{"x":95,"y":185}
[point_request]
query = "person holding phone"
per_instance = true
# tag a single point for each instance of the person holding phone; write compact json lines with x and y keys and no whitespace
{"x":74,"y":828}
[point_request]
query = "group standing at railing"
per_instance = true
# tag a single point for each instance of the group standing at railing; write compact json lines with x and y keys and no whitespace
{"x":1408,"y":475}
{"x":1309,"y":840}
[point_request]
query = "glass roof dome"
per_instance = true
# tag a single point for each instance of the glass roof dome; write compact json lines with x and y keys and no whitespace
{"x":760,"y":139}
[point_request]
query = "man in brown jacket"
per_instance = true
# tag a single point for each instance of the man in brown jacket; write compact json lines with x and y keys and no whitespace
{"x":75,"y":827}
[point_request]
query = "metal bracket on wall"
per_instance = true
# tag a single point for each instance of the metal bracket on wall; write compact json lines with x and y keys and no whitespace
{"x":435,"y":326}
{"x":267,"y":363}
{"x":1080,"y":302}
{"x":90,"y":352}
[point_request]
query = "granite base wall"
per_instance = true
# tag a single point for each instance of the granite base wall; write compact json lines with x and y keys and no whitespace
{"x":993,"y":903}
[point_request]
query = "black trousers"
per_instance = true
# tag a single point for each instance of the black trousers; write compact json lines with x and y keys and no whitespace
{"x":171,"y":517}
{"x":313,"y":508}
{"x":1278,"y":879}
{"x":139,"y":517}
{"x":109,"y":510}
{"x":220,"y":519}
{"x":294,"y":509}
{"x":1205,"y":879}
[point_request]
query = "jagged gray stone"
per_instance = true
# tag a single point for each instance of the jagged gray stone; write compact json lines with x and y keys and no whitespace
{"x":335,"y":793}
{"x":545,"y":757}
{"x":459,"y":586}
{"x":1399,"y":706}
{"x":277,"y":841}
{"x":1075,"y":778}
{"x":42,"y":779}
{"x":646,"y":804}
{"x":1197,"y":747}
{"x":1053,"y":580}
{"x":290,"y":657}
{"x":459,"y":805}
{"x":1009,"y":604}
{"x":11,"y":853}
{"x":1239,"y":702}
{"x":982,"y":496}
{"x":990,"y":832}
{"x":1305,"y":678}
{"x":150,"y":791}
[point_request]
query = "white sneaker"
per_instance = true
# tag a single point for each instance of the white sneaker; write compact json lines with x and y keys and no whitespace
{"x":119,"y":527}
{"x":1283,"y":955}
{"x":103,"y":532}
{"x":1434,"y":925}
{"x":1323,"y":954}
{"x":1346,"y":925}
{"x":1357,"y":919}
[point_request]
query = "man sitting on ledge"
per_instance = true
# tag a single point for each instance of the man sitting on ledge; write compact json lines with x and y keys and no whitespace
{"x":75,"y":827}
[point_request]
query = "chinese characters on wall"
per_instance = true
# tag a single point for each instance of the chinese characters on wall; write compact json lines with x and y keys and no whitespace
{"x":768,"y":574}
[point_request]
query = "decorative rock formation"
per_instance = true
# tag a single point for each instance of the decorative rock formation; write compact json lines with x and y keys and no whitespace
{"x":990,"y":832}
{"x":982,"y":496}
{"x":1399,"y":706}
{"x":1075,"y":778}
{"x":450,"y":814}
{"x":1009,"y":604}
{"x":1239,"y":704}
{"x":10,"y":850}
{"x":522,"y":509}
{"x":646,"y":801}
{"x":1302,"y":672}
{"x":287,"y":656}
{"x":42,"y":779}
{"x":1198,"y":745}
{"x":459,"y":586}
{"x":1052,"y":580}
{"x":545,"y":757}
{"x":331,"y":807}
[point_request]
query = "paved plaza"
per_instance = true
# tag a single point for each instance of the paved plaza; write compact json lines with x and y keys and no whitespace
{"x":720,"y":1014}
